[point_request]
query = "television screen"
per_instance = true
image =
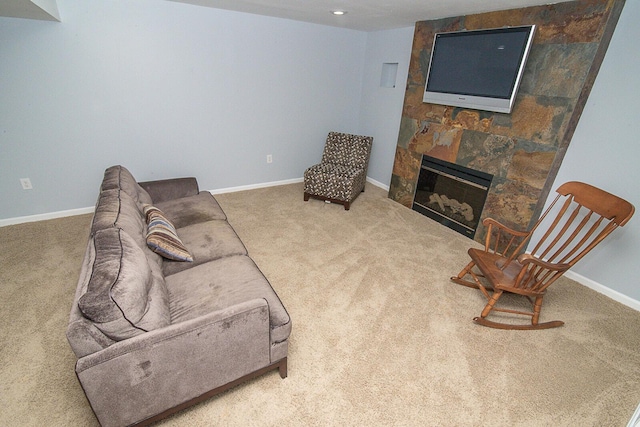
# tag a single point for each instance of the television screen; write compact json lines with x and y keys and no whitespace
{"x":478,"y":69}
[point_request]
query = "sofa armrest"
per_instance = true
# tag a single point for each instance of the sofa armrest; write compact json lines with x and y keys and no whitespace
{"x":170,"y":189}
{"x":138,"y":378}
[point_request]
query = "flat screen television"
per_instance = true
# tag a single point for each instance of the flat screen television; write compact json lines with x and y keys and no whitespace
{"x":479,"y":69}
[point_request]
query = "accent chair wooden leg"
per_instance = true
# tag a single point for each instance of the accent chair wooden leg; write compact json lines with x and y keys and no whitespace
{"x":347,"y":206}
{"x":306,"y":197}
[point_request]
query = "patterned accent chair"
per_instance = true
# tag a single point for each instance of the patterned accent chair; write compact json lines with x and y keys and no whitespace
{"x":342,"y":172}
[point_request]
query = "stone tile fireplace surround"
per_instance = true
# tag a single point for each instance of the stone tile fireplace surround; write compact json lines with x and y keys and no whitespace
{"x":522,"y":150}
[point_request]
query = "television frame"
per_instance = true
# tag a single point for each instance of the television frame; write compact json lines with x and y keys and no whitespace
{"x":479,"y":101}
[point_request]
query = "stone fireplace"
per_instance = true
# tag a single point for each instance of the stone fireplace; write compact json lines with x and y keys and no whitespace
{"x":522,"y":151}
{"x":450,"y":194}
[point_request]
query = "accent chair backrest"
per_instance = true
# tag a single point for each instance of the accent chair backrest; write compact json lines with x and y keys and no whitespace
{"x":348,"y":150}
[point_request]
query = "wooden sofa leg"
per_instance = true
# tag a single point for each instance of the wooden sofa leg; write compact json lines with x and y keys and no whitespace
{"x":347,"y":205}
{"x":306,"y":197}
{"x":282,"y":368}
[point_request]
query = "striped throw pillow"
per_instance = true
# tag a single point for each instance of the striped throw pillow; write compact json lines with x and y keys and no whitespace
{"x":162,"y":237}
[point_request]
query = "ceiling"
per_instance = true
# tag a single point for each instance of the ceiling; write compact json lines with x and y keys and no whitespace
{"x":366,"y":15}
{"x":363,"y":15}
{"x":44,"y":10}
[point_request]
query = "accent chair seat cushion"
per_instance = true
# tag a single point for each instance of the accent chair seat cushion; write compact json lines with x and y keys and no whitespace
{"x":334,"y":181}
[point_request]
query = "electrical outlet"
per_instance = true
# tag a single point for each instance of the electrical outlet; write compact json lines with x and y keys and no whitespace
{"x":269,"y":158}
{"x":26,"y":184}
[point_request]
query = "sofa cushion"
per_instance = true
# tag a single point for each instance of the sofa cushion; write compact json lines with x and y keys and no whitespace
{"x":206,"y":241}
{"x":192,"y":210}
{"x":115,"y":208}
{"x":220,"y":284}
{"x":120,"y":177}
{"x":162,"y":236}
{"x":122,"y":297}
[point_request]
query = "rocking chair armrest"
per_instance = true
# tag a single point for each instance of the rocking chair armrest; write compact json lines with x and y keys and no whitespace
{"x":503,"y":240}
{"x":525,"y":259}
{"x":490,"y":222}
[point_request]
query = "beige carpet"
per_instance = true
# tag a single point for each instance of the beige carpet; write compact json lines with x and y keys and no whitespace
{"x":380,"y":336}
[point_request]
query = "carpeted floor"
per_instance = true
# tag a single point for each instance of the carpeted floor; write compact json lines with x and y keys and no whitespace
{"x":380,"y":336}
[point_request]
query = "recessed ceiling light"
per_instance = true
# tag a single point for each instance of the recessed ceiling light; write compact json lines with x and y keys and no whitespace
{"x":339,"y":12}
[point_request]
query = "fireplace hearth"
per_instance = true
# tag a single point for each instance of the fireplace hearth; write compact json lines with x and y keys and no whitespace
{"x":451,"y":194}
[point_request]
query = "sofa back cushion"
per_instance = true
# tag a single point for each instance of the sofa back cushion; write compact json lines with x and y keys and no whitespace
{"x":120,"y":177}
{"x":115,"y":208}
{"x":123,"y":296}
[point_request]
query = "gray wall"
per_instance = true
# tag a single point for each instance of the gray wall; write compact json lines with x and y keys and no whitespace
{"x":166,"y":89}
{"x":381,"y":107}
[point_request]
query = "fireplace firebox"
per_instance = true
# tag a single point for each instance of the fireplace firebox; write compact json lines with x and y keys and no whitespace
{"x":451,"y":194}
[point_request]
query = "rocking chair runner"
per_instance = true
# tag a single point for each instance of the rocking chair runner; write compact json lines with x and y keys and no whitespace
{"x":583,"y":219}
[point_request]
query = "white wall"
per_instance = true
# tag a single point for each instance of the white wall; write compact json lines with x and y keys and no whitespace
{"x":605,"y":152}
{"x":381,"y":107}
{"x":166,"y":89}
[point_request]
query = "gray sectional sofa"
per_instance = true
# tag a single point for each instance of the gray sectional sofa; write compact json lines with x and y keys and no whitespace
{"x":154,"y":335}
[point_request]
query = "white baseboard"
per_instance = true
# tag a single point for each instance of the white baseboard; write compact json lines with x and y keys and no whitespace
{"x":255,"y":186}
{"x":378,"y":183}
{"x":43,"y":217}
{"x":614,"y":295}
{"x":284,"y":182}
{"x":635,"y":419}
{"x":81,"y":211}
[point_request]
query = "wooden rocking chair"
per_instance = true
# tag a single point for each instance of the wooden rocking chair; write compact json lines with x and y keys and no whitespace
{"x":564,"y":234}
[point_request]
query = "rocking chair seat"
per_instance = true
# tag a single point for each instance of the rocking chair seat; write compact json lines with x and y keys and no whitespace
{"x":490,"y":264}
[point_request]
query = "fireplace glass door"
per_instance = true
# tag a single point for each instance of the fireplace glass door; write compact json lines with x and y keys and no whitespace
{"x":451,"y":194}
